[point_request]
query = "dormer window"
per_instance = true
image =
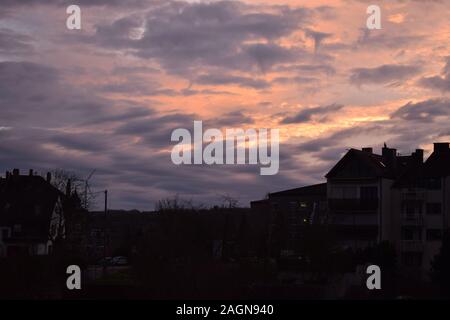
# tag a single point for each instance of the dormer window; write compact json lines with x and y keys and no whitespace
{"x":5,"y":233}
{"x":17,"y":228}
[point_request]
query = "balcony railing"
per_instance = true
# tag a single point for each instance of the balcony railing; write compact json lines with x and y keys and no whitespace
{"x":355,"y":219}
{"x":413,"y":195}
{"x":353,"y":204}
{"x":412,"y":220}
{"x":412,"y":245}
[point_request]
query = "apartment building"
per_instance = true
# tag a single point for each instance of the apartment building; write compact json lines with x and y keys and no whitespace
{"x":420,"y":210}
{"x":371,"y":198}
{"x":289,"y":212}
{"x":360,"y":197}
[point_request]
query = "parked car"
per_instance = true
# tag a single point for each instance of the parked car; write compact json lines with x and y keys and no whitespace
{"x":105,"y":261}
{"x":119,"y":261}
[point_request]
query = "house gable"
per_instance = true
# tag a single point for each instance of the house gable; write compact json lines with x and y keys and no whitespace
{"x":357,"y":164}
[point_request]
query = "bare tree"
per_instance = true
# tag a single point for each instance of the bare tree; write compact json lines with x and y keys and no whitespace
{"x":60,"y":180}
{"x":229,"y":201}
{"x":176,"y":203}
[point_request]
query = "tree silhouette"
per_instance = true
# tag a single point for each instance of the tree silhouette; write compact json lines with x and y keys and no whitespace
{"x":440,"y":266}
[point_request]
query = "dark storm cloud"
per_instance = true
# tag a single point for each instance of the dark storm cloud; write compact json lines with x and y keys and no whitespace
{"x":309,"y":114}
{"x":268,"y":55}
{"x":36,"y":95}
{"x":230,"y":119}
{"x":429,"y":119}
{"x":294,"y":80}
{"x":128,"y":3}
{"x":191,"y":92}
{"x":183,"y":37}
{"x":308,"y":69}
{"x":13,"y":43}
{"x":318,"y":37}
{"x":337,"y":138}
{"x":423,"y":111}
{"x":134,"y":70}
{"x":149,"y":125}
{"x":383,"y":74}
{"x":136,"y":86}
{"x":155,"y":132}
{"x":223,"y":79}
{"x":438,"y":82}
{"x":54,"y":125}
{"x":87,"y":141}
{"x":131,"y":113}
{"x":386,"y":40}
{"x":26,"y":148}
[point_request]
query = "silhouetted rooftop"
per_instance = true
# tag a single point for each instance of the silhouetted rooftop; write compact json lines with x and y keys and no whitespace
{"x":27,"y":200}
{"x":312,"y":190}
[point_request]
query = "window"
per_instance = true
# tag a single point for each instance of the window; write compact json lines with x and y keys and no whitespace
{"x":412,"y":207}
{"x":411,"y":234}
{"x":434,"y":235}
{"x":17,"y":228}
{"x":348,"y":192}
{"x":337,"y":193}
{"x":5,"y":233}
{"x":433,"y":183}
{"x":434,"y":208}
{"x":412,"y":259}
{"x":293,"y":206}
{"x":369,"y":193}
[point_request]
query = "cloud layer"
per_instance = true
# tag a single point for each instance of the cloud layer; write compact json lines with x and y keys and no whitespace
{"x":108,"y":96}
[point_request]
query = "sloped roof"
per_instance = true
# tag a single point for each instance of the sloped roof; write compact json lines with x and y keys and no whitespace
{"x":372,"y":161}
{"x":437,"y":165}
{"x":312,"y":190}
{"x":28,"y":201}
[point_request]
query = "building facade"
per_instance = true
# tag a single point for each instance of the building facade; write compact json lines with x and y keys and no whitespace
{"x":31,"y":215}
{"x":370,"y":198}
{"x":420,"y":211}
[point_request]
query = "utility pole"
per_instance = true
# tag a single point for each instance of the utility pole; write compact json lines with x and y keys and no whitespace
{"x":104,"y":233}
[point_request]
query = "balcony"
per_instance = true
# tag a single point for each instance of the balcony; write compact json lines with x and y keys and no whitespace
{"x":412,"y":220}
{"x":412,"y":245}
{"x":355,"y":219}
{"x":413,"y":195}
{"x":353,"y":204}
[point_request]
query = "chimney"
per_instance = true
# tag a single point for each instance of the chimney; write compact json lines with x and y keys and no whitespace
{"x":441,"y":147}
{"x":389,"y":157}
{"x":16,"y":172}
{"x":30,"y":173}
{"x":368,"y":150}
{"x":49,"y":177}
{"x":418,"y":155}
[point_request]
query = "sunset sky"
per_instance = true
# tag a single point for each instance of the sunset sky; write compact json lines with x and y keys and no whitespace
{"x":108,"y":96}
